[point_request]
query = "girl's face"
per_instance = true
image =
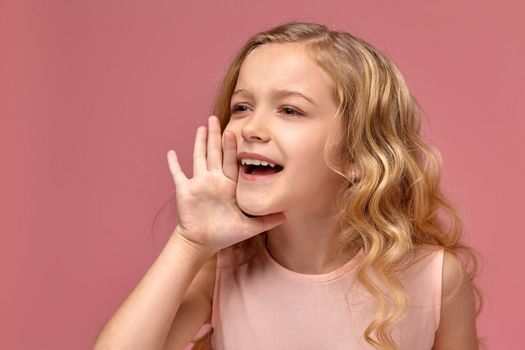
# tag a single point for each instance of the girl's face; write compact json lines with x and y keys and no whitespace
{"x":269,"y":120}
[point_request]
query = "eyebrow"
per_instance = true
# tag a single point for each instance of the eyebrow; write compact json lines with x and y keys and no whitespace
{"x":279,"y":92}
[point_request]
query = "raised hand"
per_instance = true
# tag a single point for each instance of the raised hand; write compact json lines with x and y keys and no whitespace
{"x":209,"y":217}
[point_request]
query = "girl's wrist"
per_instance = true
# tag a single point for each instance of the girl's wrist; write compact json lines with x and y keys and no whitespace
{"x":192,"y":249}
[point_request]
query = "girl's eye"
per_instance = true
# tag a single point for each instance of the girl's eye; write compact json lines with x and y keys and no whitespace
{"x":292,"y":110}
{"x":287,"y":110}
{"x":236,"y":108}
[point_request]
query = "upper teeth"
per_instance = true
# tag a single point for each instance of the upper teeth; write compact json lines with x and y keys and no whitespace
{"x":256,"y":162}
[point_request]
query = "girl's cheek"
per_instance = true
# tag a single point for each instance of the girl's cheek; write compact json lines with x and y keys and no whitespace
{"x":231,"y":126}
{"x":228,"y":127}
{"x":235,"y":132}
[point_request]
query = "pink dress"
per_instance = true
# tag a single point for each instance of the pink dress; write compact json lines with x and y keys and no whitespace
{"x":259,"y":304}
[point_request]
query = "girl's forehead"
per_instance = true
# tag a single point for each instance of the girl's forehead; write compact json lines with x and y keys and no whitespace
{"x":276,"y":60}
{"x":283,"y":66}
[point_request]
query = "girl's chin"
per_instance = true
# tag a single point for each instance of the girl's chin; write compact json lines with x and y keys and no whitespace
{"x":252,"y":207}
{"x":252,"y":211}
{"x":249,"y":215}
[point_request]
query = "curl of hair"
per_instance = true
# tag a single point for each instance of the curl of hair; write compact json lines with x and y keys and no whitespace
{"x":393,"y":207}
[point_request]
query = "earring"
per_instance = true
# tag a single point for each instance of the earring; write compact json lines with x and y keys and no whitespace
{"x":353,"y":176}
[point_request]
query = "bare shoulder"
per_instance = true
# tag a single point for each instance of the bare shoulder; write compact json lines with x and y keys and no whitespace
{"x":457,"y":325}
{"x":455,"y":278}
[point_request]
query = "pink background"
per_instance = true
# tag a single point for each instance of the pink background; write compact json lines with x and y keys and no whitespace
{"x":94,"y":93}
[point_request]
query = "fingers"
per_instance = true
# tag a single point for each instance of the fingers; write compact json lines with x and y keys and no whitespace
{"x":199,"y":151}
{"x":207,"y":151}
{"x":175,"y":169}
{"x":214,"y":155}
{"x":230,"y":166}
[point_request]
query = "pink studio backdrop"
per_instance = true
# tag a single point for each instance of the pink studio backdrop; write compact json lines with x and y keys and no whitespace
{"x":94,"y":93}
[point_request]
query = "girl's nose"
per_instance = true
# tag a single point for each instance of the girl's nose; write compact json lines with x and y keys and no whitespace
{"x":255,"y":129}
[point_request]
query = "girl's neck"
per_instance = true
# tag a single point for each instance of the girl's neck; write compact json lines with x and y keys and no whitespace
{"x":304,"y":263}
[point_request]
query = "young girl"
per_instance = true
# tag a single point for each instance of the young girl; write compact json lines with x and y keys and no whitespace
{"x":312,"y":219}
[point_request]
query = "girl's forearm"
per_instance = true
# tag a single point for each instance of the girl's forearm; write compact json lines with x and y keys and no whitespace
{"x":144,"y":318}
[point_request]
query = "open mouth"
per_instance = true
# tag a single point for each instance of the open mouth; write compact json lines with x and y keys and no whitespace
{"x":261,"y":169}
